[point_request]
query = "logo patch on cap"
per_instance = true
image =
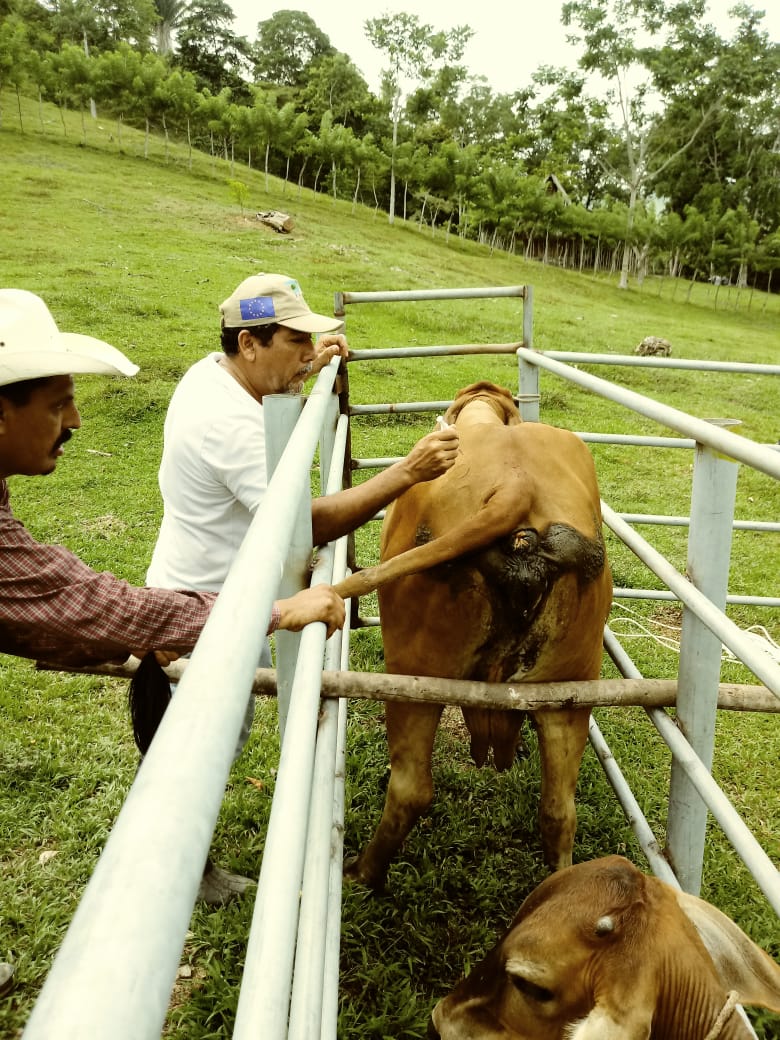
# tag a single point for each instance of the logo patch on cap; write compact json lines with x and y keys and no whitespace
{"x":257,"y":307}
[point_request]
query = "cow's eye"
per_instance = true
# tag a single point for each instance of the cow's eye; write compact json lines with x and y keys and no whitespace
{"x":531,"y":990}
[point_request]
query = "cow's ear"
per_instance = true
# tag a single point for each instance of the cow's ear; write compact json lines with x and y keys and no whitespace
{"x":741,"y":964}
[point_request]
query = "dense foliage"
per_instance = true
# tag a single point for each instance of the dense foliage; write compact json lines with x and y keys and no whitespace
{"x":670,"y":165}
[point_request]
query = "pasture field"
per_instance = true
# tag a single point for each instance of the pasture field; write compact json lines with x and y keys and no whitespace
{"x":140,"y":252}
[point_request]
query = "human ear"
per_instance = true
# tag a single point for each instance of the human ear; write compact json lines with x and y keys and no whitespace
{"x":246,"y":345}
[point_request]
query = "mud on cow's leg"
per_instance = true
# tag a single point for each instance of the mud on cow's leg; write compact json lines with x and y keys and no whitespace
{"x":562,"y":739}
{"x":411,"y":729}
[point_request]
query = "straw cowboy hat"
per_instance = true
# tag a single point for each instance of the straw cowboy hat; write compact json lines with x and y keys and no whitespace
{"x":31,"y":345}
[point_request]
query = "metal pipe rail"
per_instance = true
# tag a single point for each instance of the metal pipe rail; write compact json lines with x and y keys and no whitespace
{"x":582,"y":358}
{"x":343,"y":299}
{"x":460,"y":350}
{"x":765,"y":459}
{"x":284,"y":979}
{"x":723,"y":627}
{"x":664,"y":595}
{"x":753,"y":856}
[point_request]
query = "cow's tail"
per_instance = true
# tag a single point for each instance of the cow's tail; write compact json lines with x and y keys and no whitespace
{"x":148,"y":697}
{"x":498,"y":517}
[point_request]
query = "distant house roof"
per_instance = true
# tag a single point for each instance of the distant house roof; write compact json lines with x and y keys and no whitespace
{"x":555,"y":187}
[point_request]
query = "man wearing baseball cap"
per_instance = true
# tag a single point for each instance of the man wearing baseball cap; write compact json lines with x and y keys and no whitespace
{"x":213,"y":471}
{"x":53,"y":607}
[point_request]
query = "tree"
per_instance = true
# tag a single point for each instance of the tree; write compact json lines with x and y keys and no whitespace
{"x":336,"y":146}
{"x":292,"y":128}
{"x":210,"y":50}
{"x":768,"y":257}
{"x":610,"y":30}
{"x":179,"y":103}
{"x":269,"y":126}
{"x":287,"y":44}
{"x":14,"y":47}
{"x":411,"y":161}
{"x":115,"y":75}
{"x":735,"y":245}
{"x":169,"y":14}
{"x":736,"y":158}
{"x":413,"y":50}
{"x":104,"y":23}
{"x":334,"y":84}
{"x":566,"y":133}
{"x":366,"y":156}
{"x":149,"y":98}
{"x":75,"y":77}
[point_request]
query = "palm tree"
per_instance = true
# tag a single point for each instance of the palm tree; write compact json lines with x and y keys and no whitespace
{"x":168,"y":14}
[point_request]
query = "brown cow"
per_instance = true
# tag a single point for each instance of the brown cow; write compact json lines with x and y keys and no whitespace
{"x":495,"y":571}
{"x":601,"y":951}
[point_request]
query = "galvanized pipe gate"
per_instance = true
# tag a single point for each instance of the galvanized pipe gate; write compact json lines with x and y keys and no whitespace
{"x":115,"y":970}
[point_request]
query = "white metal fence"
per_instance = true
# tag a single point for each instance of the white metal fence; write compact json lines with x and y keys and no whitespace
{"x":114,"y":973}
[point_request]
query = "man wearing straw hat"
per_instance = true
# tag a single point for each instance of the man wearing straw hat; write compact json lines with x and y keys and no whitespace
{"x":53,"y":607}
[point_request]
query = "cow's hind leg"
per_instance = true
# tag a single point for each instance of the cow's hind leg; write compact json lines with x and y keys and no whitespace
{"x":411,"y":729}
{"x":562,"y":739}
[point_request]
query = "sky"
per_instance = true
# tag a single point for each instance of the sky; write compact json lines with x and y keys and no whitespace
{"x":511,"y":38}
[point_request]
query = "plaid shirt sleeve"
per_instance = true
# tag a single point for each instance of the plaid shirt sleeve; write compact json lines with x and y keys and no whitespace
{"x":56,"y":609}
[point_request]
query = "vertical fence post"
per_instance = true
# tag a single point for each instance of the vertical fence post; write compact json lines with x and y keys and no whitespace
{"x":709,"y":549}
{"x":281,"y":413}
{"x":528,"y":316}
{"x":528,"y":374}
{"x":528,"y":401}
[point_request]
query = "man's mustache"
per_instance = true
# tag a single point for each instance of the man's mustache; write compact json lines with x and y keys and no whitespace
{"x":63,"y":438}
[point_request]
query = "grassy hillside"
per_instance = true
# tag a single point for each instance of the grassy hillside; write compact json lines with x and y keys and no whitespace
{"x":140,"y":251}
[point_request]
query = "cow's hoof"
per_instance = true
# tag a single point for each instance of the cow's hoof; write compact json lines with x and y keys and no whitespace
{"x":218,"y":886}
{"x":6,"y":978}
{"x":354,"y":871}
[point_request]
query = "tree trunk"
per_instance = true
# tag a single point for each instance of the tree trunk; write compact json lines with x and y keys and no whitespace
{"x":623,"y":283}
{"x":19,"y":107}
{"x":300,"y":174}
{"x":396,"y":118}
{"x":422,"y":212}
{"x":317,"y":177}
{"x":690,"y":288}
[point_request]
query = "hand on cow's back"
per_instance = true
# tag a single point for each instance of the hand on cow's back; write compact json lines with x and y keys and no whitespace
{"x":433,"y":455}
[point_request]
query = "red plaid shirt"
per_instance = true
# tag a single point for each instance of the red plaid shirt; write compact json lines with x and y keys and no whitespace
{"x":56,"y":609}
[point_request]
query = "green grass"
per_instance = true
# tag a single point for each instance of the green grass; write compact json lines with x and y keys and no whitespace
{"x":141,"y":252}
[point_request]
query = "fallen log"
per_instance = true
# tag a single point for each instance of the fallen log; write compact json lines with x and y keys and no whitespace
{"x":281,"y":222}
